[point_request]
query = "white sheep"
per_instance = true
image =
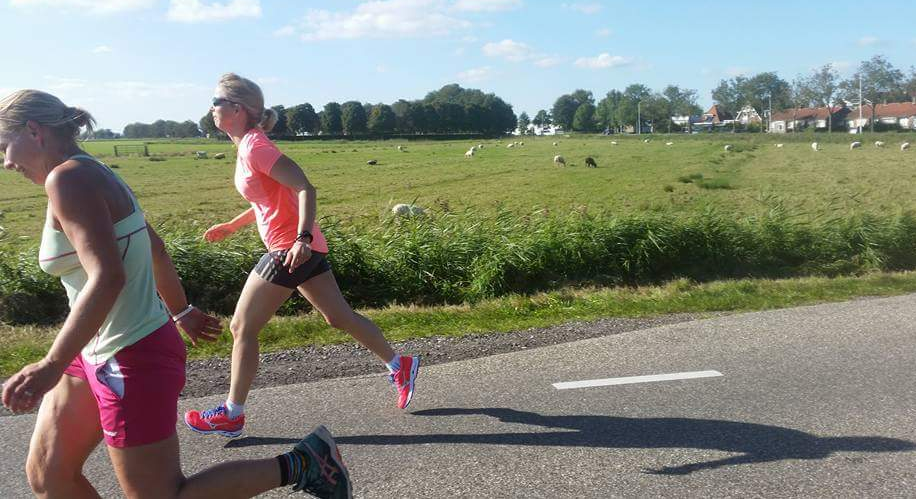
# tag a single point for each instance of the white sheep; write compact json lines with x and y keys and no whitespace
{"x":559,"y":160}
{"x":778,"y":146}
{"x":401,"y":148}
{"x":510,"y":146}
{"x":479,"y":146}
{"x":855,"y":145}
{"x":200,"y":155}
{"x":613,"y":142}
{"x":470,"y":153}
{"x":669,"y":143}
{"x":879,"y":143}
{"x":521,"y":143}
{"x":407,"y":210}
{"x":646,"y":141}
{"x":728,"y":147}
{"x":905,"y":146}
{"x":556,"y":144}
{"x":815,"y":146}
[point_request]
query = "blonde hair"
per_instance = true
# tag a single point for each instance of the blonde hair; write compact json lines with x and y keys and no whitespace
{"x":45,"y":109}
{"x":248,"y":94}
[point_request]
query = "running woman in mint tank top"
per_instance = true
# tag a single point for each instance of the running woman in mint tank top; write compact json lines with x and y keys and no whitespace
{"x":117,"y":366}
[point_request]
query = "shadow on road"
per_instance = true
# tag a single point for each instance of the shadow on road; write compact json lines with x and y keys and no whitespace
{"x":756,"y":443}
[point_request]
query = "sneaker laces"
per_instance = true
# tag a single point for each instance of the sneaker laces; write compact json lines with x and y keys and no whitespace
{"x":210,"y":413}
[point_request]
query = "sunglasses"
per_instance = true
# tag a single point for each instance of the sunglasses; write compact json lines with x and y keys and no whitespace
{"x":219,"y":101}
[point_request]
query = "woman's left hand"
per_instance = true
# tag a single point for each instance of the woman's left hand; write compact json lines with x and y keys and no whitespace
{"x":24,"y":390}
{"x":297,"y":255}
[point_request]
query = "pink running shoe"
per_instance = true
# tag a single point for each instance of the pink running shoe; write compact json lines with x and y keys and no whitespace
{"x":215,"y":421}
{"x":405,"y":378}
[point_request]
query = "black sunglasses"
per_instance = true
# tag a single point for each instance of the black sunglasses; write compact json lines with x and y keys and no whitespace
{"x":219,"y":101}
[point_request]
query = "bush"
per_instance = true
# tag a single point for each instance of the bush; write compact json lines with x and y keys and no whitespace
{"x":466,"y":257}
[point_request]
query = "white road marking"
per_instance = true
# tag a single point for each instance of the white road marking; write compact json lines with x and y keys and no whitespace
{"x":635,"y":379}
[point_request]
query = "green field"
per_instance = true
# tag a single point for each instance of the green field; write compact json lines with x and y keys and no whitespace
{"x":633,"y":177}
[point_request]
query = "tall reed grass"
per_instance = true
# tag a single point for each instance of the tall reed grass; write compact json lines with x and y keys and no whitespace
{"x":465,"y":257}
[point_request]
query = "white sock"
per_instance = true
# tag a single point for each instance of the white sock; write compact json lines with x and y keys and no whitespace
{"x":234,"y":410}
{"x":395,"y":363}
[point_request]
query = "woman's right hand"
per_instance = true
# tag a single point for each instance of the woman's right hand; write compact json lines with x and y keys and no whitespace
{"x":218,"y":232}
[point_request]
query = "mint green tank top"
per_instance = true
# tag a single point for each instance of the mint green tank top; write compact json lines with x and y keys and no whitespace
{"x":138,"y":310}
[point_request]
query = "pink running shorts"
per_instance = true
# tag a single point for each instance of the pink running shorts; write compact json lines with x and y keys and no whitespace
{"x":137,"y":389}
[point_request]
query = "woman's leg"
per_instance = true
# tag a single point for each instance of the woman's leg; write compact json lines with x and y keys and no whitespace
{"x":154,"y":471}
{"x":66,"y":431}
{"x":324,"y":294}
{"x":258,"y":302}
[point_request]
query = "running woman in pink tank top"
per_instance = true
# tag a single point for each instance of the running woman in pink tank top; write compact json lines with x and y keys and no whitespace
{"x":283,"y":206}
{"x":125,"y":392}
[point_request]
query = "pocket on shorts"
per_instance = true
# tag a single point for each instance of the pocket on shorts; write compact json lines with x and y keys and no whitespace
{"x":110,"y":376}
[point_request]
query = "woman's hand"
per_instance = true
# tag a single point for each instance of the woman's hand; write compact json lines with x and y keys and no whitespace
{"x":24,"y":390}
{"x":297,"y":255}
{"x":200,"y":326}
{"x":219,"y":232}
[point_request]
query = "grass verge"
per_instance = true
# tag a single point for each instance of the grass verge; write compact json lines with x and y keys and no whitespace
{"x":21,"y":345}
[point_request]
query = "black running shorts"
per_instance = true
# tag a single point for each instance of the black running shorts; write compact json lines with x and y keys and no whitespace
{"x":271,"y":269}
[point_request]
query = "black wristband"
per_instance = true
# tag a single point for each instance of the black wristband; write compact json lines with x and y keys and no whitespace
{"x":305,"y":236}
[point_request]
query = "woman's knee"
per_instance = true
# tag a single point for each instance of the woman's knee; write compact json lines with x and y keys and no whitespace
{"x":342,"y":320}
{"x":50,"y":477}
{"x":241,"y":330}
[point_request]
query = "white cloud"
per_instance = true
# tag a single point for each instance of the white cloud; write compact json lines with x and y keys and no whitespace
{"x":867,"y":41}
{"x":584,"y":7}
{"x":57,"y":83}
{"x":285,"y":31}
{"x":476,"y":75}
{"x":509,"y":50}
{"x":381,"y":19}
{"x":196,"y":11}
{"x":145,"y":90}
{"x":459,"y":51}
{"x":486,"y":5}
{"x":602,"y":61}
{"x":381,"y":68}
{"x":90,"y":6}
{"x":841,"y":65}
{"x":102,"y":49}
{"x":548,"y":61}
{"x":604,"y":32}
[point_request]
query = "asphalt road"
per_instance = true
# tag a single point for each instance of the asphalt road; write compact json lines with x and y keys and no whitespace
{"x":812,"y":402}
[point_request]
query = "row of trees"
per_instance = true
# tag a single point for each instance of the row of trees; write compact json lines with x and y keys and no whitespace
{"x":881,"y":83}
{"x":158,"y":129}
{"x":579,"y":112}
{"x":451,"y":109}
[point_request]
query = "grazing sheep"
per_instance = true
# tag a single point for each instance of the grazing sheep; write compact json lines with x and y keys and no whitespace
{"x":905,"y":146}
{"x":728,"y":147}
{"x":470,"y":153}
{"x":510,"y":146}
{"x":590,"y":162}
{"x":372,"y":162}
{"x":200,"y":155}
{"x":613,"y":142}
{"x":479,"y":146}
{"x":815,"y":146}
{"x":559,"y":160}
{"x":401,"y":148}
{"x":646,"y":141}
{"x":521,"y":143}
{"x":879,"y":143}
{"x":407,"y":210}
{"x":855,"y":145}
{"x":556,"y":144}
{"x":778,"y":146}
{"x":219,"y":155}
{"x":669,"y":143}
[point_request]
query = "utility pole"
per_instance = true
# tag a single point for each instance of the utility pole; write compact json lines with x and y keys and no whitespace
{"x":769,"y":112}
{"x":638,"y":118}
{"x":860,"y":104}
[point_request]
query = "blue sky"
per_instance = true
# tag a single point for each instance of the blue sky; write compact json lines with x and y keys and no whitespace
{"x":141,"y":60}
